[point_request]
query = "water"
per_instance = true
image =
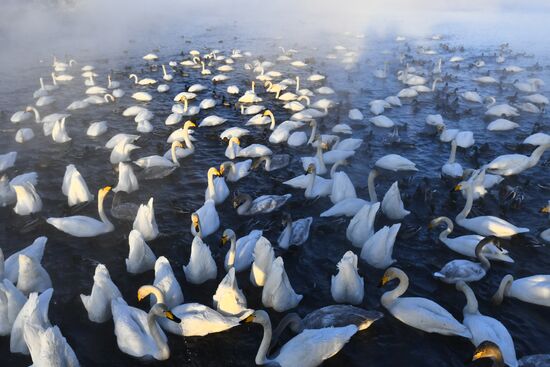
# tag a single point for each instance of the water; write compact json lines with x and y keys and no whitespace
{"x":71,"y":261}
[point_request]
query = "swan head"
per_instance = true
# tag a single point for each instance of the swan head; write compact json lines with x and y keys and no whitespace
{"x":177,"y":144}
{"x":287,"y":218}
{"x":268,"y":113}
{"x":104,"y":191}
{"x":258,"y":316}
{"x":189,"y":124}
{"x":146,"y":290}
{"x":389,"y":275}
{"x":227,"y":236}
{"x":213,"y":171}
{"x":459,"y":187}
{"x":240,"y":200}
{"x":435,"y":222}
{"x":311,"y":169}
{"x":195,"y":221}
{"x":546,"y":209}
{"x":161,"y":310}
{"x":235,"y":140}
{"x":487,"y":349}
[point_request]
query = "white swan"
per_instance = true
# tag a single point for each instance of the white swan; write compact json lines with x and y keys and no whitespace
{"x":12,"y":301}
{"x":466,"y":245}
{"x":81,"y":226}
{"x":308,"y":349}
{"x":74,"y":187}
{"x":502,"y":125}
{"x":127,"y":180}
{"x":392,"y":205}
{"x":98,"y":303}
{"x":513,"y":164}
{"x":166,"y":281}
{"x":295,"y":232}
{"x":28,"y":200}
{"x":48,"y":347}
{"x":205,"y":220}
{"x":229,"y":299}
{"x":420,"y":313}
{"x":140,"y":257}
{"x":240,"y":254}
{"x":347,"y":286}
{"x":201,"y":266}
{"x":485,"y":328}
{"x":145,"y":221}
{"x":157,"y":166}
{"x":34,"y":250}
{"x":377,"y":250}
{"x":138,"y":333}
{"x":122,"y":150}
{"x":277,"y":292}
{"x":485,"y":225}
{"x":235,"y":171}
{"x":32,"y":276}
{"x":361,"y":226}
{"x":260,"y":205}
{"x":533,"y":289}
{"x":342,"y":187}
{"x":24,"y":135}
{"x":466,"y":270}
{"x":488,"y":349}
{"x":143,"y":81}
{"x":7,"y":192}
{"x":217,"y":189}
{"x":97,"y":128}
{"x":263,"y":259}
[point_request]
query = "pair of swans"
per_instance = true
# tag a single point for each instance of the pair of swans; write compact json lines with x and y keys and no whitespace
{"x":484,"y":225}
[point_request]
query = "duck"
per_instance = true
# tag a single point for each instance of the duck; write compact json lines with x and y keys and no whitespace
{"x":81,"y":226}
{"x":488,"y":349}
{"x":277,"y":292}
{"x":28,"y":201}
{"x":361,"y":226}
{"x":138,"y":333}
{"x":466,"y":245}
{"x":166,"y":281}
{"x":483,"y":327}
{"x":308,"y":349}
{"x":98,"y":303}
{"x":229,"y":299}
{"x":263,"y":259}
{"x":377,"y":249}
{"x":233,"y":172}
{"x":486,"y":225}
{"x":417,"y":312}
{"x":295,"y":232}
{"x":260,"y":205}
{"x":532,"y":289}
{"x":201,"y":266}
{"x":513,"y":164}
{"x":195,"y":319}
{"x":140,"y":257}
{"x":217,"y":189}
{"x":205,"y":220}
{"x":347,"y":286}
{"x":466,"y":270}
{"x":240,"y":254}
{"x":145,"y":221}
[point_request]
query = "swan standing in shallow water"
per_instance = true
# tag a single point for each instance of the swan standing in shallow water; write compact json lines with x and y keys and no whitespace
{"x":420,"y":313}
{"x":308,"y":349}
{"x":81,"y":226}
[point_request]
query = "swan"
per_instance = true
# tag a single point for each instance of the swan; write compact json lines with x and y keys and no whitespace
{"x":233,"y":132}
{"x":251,"y":151}
{"x":122,"y":150}
{"x":347,"y":286}
{"x":145,"y":221}
{"x":240,"y":254}
{"x":278,"y":292}
{"x":272,"y":162}
{"x":195,"y":319}
{"x":513,"y":164}
{"x":112,"y":84}
{"x":81,"y":226}
{"x":212,"y":120}
{"x":45,"y":101}
{"x":48,"y":347}
{"x":466,"y":270}
{"x":263,"y":259}
{"x":34,"y":250}
{"x":392,"y":205}
{"x":377,"y":107}
{"x":308,"y":349}
{"x":233,"y":89}
{"x":97,"y":128}
{"x":488,"y":349}
{"x":377,"y":250}
{"x":140,"y":257}
{"x":361,"y":226}
{"x":261,"y":205}
{"x":7,"y":160}
{"x":382,"y":121}
{"x":472,"y":96}
{"x":502,"y":125}
{"x":74,"y":187}
{"x":533,"y":289}
{"x":201,"y":266}
{"x":166,"y":281}
{"x":342,"y":187}
{"x":282,"y":133}
{"x":485,"y":80}
{"x":182,"y":135}
{"x":207,"y":103}
{"x":502,"y":110}
{"x":12,"y":301}
{"x":142,"y":96}
{"x":295,"y":232}
{"x":59,"y":132}
{"x":480,"y":182}
{"x":166,"y":76}
{"x":34,"y":311}
{"x":486,"y":328}
{"x":314,"y":186}
{"x":28,"y":200}
{"x":228,"y":299}
{"x":127,"y":180}
{"x":235,"y":171}
{"x":545,"y":235}
{"x":217,"y":189}
{"x":250,"y":96}
{"x":156,"y":166}
{"x":7,"y":192}
{"x":537,"y":98}
{"x":420,"y":313}
{"x":484,"y":225}
{"x":98,"y":303}
{"x":317,"y":160}
{"x":20,"y":116}
{"x":138,"y":333}
{"x":32,"y":276}
{"x":466,"y":245}
{"x":144,"y":81}
{"x":113,"y":142}
{"x":205,"y":220}
{"x":195,"y":88}
{"x":252,"y":110}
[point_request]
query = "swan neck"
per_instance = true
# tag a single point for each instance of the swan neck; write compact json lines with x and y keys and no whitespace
{"x":389,"y":297}
{"x":155,"y":334}
{"x":310,"y":184}
{"x":261,"y":356}
{"x":41,"y":83}
{"x":372,"y":190}
{"x":36,"y":114}
{"x":267,"y":160}
{"x":164,"y":70}
{"x":503,"y":288}
{"x":272,"y":117}
{"x":481,"y":256}
{"x":452,"y":156}
{"x":445,"y":233}
{"x":187,"y":140}
{"x":313,"y":132}
{"x":334,"y":168}
{"x":245,"y":207}
{"x":232,"y":253}
{"x":471,"y":301}
{"x":292,"y":319}
{"x":469,"y":202}
{"x":174,"y":156}
{"x":211,"y":188}
{"x":101,"y":211}
{"x":537,"y":154}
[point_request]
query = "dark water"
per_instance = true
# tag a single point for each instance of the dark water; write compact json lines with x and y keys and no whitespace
{"x":71,"y":261}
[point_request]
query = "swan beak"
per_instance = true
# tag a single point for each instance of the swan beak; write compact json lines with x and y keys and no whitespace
{"x":248,"y":320}
{"x":224,"y":240}
{"x":267,"y":112}
{"x":546,"y":209}
{"x":141,"y":295}
{"x":222,"y":170}
{"x":170,"y":316}
{"x":477,"y":355}
{"x":458,"y":187}
{"x":383,"y":281}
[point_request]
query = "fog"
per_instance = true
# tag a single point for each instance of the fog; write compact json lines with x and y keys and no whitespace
{"x":35,"y":30}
